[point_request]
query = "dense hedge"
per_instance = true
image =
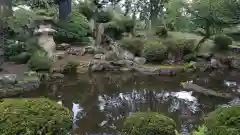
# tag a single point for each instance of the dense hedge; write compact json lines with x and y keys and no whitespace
{"x":149,"y":123}
{"x":224,"y":121}
{"x":34,"y":117}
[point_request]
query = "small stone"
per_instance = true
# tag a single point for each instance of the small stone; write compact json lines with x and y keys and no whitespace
{"x":62,"y":46}
{"x":98,"y":56}
{"x":8,"y":79}
{"x":76,"y":51}
{"x":125,"y":69}
{"x":128,"y":55}
{"x":57,"y":75}
{"x":140,"y":60}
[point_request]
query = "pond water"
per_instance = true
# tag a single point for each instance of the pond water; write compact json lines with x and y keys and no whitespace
{"x":100,"y":102}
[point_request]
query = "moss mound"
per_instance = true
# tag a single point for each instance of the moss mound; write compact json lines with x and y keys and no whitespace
{"x":149,"y":124}
{"x":34,"y":117}
{"x":224,"y":121}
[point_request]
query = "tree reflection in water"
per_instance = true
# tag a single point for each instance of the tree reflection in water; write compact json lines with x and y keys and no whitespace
{"x":100,"y":102}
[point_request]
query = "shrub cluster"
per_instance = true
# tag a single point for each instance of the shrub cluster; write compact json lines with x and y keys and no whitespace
{"x":133,"y":45}
{"x":224,"y":121}
{"x":155,"y":52}
{"x":34,"y":117}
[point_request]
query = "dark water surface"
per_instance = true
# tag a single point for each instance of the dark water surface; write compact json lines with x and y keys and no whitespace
{"x":100,"y":102}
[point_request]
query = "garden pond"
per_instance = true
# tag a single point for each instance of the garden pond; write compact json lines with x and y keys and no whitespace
{"x":100,"y":102}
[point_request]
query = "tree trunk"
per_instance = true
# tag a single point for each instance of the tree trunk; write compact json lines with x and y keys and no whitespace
{"x":6,"y":8}
{"x":206,"y":36}
{"x":65,"y":8}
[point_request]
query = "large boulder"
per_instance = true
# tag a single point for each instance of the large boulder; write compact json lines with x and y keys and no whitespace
{"x":34,"y":116}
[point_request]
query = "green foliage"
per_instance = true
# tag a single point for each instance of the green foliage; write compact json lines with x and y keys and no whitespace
{"x":174,"y":45}
{"x":155,"y":52}
{"x":117,"y":27}
{"x":149,"y":123}
{"x":34,"y":117}
{"x":222,"y":42}
{"x":13,"y":48}
{"x":40,"y":62}
{"x":87,"y":9}
{"x":201,"y":131}
{"x":21,"y":58}
{"x":224,"y":121}
{"x":104,"y":16}
{"x":190,"y":57}
{"x":161,"y":31}
{"x":71,"y":67}
{"x":35,"y":3}
{"x":133,"y":45}
{"x":74,"y":30}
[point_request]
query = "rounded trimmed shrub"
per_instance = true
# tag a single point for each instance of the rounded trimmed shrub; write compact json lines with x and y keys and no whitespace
{"x":104,"y":17}
{"x":149,"y":123}
{"x":222,"y":41}
{"x":40,"y":61}
{"x":161,"y":31}
{"x":133,"y":45}
{"x":224,"y":121}
{"x":155,"y":52}
{"x":34,"y":117}
{"x":73,"y":31}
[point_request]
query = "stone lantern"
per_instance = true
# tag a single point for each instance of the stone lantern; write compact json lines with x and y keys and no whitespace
{"x":45,"y":38}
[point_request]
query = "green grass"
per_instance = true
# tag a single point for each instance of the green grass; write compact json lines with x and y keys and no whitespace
{"x":164,"y":66}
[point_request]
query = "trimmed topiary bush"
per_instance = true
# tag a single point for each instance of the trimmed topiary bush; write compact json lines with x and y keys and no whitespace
{"x":34,"y":117}
{"x":155,"y":52}
{"x":104,"y":16}
{"x":222,"y":41}
{"x":161,"y":31}
{"x":73,"y":31}
{"x":40,"y":62}
{"x":149,"y":123}
{"x":133,"y":45}
{"x":224,"y":121}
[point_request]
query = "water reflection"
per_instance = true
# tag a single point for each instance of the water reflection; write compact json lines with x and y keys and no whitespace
{"x":100,"y":103}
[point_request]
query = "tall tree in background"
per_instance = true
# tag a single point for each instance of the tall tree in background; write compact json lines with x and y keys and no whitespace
{"x":65,"y":9}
